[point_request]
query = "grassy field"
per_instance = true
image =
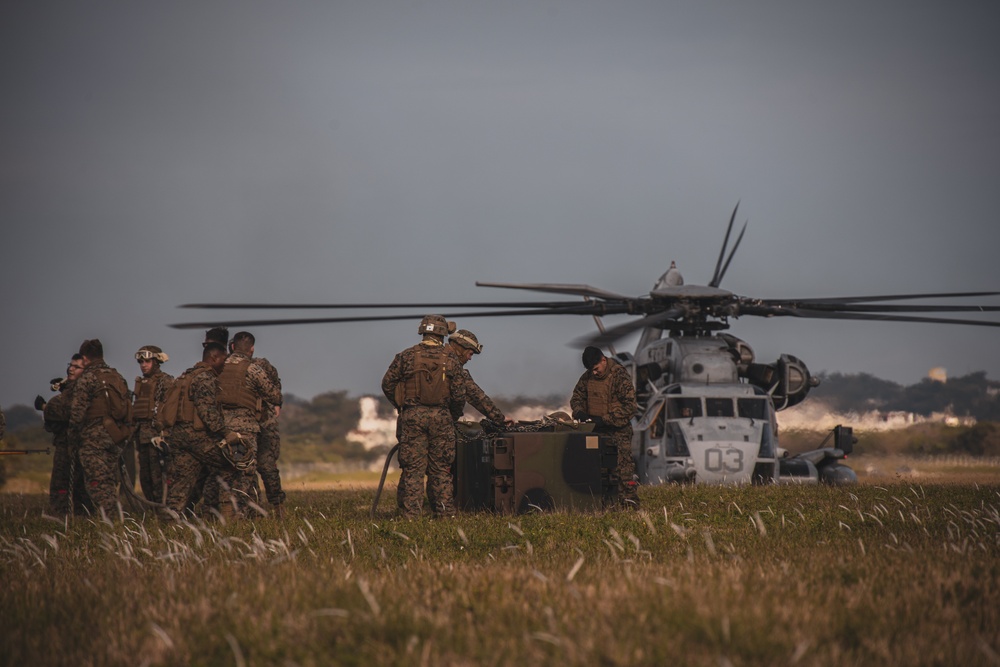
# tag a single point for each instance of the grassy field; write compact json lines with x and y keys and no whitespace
{"x":895,"y":572}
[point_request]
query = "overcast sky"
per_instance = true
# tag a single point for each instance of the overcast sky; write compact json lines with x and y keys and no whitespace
{"x":160,"y":153}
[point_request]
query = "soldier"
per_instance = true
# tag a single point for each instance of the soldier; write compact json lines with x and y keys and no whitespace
{"x":605,"y":395}
{"x":462,"y":345}
{"x":150,"y":390}
{"x":198,"y":435}
{"x":426,"y":385}
{"x":99,"y":424}
{"x":65,"y":462}
{"x":269,"y":443}
{"x":244,"y":389}
{"x":206,"y":489}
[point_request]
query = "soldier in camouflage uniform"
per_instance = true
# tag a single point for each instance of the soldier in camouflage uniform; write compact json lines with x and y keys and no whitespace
{"x":269,"y":443}
{"x":98,"y":425}
{"x":244,"y":389}
{"x":199,"y":435}
{"x":206,"y":489}
{"x":426,"y":385}
{"x":150,"y":390}
{"x":462,"y":345}
{"x":605,"y":395}
{"x":55,"y":412}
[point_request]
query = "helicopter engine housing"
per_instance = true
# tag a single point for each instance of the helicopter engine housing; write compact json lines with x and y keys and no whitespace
{"x":787,"y":380}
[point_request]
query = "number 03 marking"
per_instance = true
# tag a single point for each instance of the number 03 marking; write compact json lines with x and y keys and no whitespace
{"x":723,"y":460}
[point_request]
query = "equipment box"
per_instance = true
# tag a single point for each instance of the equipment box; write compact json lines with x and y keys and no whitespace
{"x":536,"y":471}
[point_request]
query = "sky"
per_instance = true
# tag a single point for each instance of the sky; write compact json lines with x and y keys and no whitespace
{"x":154,"y":154}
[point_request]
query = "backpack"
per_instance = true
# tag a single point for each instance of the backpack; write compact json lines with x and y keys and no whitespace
{"x":177,"y":405}
{"x":171,"y":407}
{"x":429,"y":374}
{"x":119,"y":399}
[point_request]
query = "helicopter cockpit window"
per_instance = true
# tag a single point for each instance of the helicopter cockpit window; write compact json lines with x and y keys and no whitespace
{"x":752,"y":408}
{"x":683,"y":407}
{"x":719,"y":407}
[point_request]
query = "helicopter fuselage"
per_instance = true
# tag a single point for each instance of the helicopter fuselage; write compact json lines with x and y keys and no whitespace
{"x":714,"y":434}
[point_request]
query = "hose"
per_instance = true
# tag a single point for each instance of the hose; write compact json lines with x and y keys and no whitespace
{"x":381,"y":482}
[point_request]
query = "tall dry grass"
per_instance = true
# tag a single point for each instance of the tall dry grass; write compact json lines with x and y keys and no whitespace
{"x":895,"y":574}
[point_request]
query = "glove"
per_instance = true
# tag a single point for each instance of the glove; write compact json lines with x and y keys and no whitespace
{"x":598,"y":421}
{"x":39,"y":403}
{"x":580,"y":415}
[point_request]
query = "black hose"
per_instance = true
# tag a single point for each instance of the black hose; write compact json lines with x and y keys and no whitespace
{"x":381,"y":482}
{"x":135,"y":501}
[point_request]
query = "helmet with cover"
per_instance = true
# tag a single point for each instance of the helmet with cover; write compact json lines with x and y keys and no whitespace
{"x":435,"y":325}
{"x":467,"y":339}
{"x":151,"y":352}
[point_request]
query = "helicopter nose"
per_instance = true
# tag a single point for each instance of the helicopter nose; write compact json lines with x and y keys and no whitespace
{"x":724,"y":461}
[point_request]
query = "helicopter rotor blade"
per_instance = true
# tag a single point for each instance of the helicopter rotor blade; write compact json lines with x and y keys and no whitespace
{"x":716,"y":278}
{"x":576,"y":309}
{"x":360,"y":306}
{"x":899,"y":308}
{"x":736,"y":245}
{"x":561,"y":288}
{"x":806,"y":313}
{"x":881,"y":297}
{"x":608,"y":336}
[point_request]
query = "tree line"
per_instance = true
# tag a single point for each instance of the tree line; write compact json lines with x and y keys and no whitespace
{"x":317,"y":429}
{"x":971,"y":395}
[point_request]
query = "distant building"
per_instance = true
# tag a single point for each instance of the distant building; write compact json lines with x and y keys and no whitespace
{"x":372,"y":430}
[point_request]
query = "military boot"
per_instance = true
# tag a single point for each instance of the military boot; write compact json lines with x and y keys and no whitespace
{"x":227,"y":510}
{"x":278,"y":511}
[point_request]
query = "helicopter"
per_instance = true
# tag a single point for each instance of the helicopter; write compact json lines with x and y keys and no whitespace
{"x":706,"y":407}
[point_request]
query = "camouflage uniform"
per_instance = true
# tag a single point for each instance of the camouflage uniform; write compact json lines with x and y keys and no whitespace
{"x":149,"y":394}
{"x":97,"y":449}
{"x":269,"y":441}
{"x":474,"y":395}
{"x":56,"y":416}
{"x":245,"y":420}
{"x":612,"y":398}
{"x":194,"y":445}
{"x":427,"y":433}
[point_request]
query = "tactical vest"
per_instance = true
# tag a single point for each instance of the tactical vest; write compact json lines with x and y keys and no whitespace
{"x":178,"y":407}
{"x":427,"y":382}
{"x":233,"y":389}
{"x":112,"y":399}
{"x":145,"y":391}
{"x":599,"y":392}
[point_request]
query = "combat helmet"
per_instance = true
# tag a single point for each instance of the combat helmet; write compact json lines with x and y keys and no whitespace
{"x":151,"y":352}
{"x":467,"y":339}
{"x":435,"y":325}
